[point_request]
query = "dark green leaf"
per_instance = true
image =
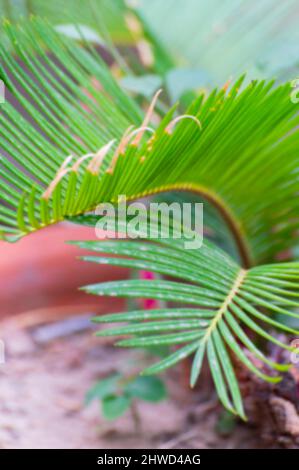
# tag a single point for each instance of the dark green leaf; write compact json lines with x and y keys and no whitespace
{"x":103,"y":388}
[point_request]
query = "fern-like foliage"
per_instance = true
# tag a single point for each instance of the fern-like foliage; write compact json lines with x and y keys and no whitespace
{"x":69,"y":115}
{"x":222,"y":305}
{"x":238,"y":149}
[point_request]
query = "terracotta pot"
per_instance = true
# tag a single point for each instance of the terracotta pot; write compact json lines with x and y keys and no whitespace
{"x":42,"y":272}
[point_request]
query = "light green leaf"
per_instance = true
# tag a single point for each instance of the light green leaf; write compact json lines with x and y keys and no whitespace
{"x":218,"y":376}
{"x":147,"y":388}
{"x":228,"y":372}
{"x":197,"y":364}
{"x":114,"y":406}
{"x":103,"y":388}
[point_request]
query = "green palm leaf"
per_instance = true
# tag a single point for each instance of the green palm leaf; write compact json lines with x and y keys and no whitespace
{"x":218,"y":311}
{"x":78,"y":140}
{"x":245,"y":145}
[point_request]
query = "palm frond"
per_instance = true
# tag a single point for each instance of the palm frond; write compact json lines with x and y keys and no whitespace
{"x":234,"y":36}
{"x":222,"y":305}
{"x":68,"y":115}
{"x":233,"y":147}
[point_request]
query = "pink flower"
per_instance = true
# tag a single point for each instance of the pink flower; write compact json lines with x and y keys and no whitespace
{"x":148,"y":304}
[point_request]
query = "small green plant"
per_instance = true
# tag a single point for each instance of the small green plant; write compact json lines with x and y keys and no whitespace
{"x":118,"y":393}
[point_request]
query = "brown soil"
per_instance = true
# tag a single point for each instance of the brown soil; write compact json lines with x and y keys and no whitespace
{"x":43,"y":383}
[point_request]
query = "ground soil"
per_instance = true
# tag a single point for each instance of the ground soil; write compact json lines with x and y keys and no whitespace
{"x":45,"y":378}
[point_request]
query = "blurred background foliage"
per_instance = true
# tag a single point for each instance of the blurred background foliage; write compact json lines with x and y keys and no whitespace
{"x":207,"y":41}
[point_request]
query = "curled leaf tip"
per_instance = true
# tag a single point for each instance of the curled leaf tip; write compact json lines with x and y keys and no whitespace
{"x":96,"y":162}
{"x":80,"y":160}
{"x":147,"y":117}
{"x":172,"y":124}
{"x":139,"y":134}
{"x":121,"y":148}
{"x":63,"y":170}
{"x":227,"y":84}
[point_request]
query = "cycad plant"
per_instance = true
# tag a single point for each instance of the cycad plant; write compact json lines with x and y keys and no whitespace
{"x":76,"y":140}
